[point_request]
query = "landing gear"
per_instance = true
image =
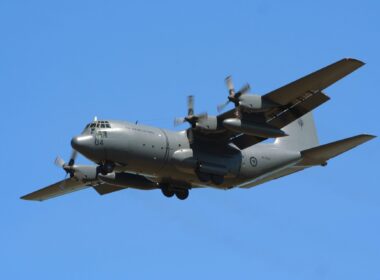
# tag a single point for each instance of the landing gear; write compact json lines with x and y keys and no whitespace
{"x":106,"y":168}
{"x":166,"y":191}
{"x":181,"y":194}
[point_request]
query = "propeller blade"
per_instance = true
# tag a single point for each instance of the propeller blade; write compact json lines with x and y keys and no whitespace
{"x":221,"y":107}
{"x":59,"y":162}
{"x":191,"y":118}
{"x":190,"y":105}
{"x":230,"y":86}
{"x":179,"y":121}
{"x":243,"y":90}
{"x":73,"y":156}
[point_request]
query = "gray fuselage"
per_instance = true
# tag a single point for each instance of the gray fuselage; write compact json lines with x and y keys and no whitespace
{"x":168,"y":156}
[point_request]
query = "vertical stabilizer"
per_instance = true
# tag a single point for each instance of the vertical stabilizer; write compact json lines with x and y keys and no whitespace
{"x":302,"y":134}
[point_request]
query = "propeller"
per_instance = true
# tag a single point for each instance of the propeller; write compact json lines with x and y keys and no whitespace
{"x":190,"y":118}
{"x":68,"y":167}
{"x":233,"y":96}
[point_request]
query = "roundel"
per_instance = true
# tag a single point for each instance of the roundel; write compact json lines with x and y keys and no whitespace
{"x":253,"y":161}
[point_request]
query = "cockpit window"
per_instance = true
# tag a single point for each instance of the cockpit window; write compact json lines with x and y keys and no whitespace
{"x":99,"y":124}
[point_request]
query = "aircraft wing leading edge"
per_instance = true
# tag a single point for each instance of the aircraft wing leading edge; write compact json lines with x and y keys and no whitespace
{"x":57,"y":189}
{"x":68,"y":186}
{"x":314,"y":82}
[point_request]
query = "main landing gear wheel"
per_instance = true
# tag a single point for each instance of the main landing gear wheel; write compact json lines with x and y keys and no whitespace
{"x":167,"y":192}
{"x":182,"y":194}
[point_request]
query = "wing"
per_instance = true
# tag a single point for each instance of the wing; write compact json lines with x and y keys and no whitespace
{"x":314,"y":82}
{"x":291,"y":102}
{"x":60,"y":188}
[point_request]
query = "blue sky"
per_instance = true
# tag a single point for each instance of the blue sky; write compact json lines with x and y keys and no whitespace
{"x":63,"y":62}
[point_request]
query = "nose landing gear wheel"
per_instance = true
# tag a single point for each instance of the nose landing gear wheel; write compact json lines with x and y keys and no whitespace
{"x":182,"y":194}
{"x":106,"y":168}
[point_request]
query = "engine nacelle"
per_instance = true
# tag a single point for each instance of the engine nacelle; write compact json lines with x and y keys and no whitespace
{"x":251,"y":101}
{"x":85,"y":173}
{"x":254,"y":103}
{"x":209,"y":123}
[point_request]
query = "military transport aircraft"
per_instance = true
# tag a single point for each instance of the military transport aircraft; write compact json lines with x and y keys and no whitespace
{"x":223,"y":152}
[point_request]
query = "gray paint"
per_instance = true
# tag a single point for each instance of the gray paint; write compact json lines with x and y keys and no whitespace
{"x":221,"y":151}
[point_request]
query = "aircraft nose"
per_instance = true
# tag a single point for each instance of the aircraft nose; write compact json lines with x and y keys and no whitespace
{"x":82,"y":143}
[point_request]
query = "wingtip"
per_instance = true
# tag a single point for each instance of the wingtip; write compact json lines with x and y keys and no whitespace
{"x":358,"y":62}
{"x":29,"y":198}
{"x":365,"y":137}
{"x":369,"y":136}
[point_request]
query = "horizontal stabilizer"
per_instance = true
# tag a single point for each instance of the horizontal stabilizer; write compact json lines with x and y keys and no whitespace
{"x":60,"y":188}
{"x":321,"y":154}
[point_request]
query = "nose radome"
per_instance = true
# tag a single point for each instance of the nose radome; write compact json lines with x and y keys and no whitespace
{"x":81,"y":143}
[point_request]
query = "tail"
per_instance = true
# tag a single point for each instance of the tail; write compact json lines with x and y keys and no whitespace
{"x":321,"y":154}
{"x":303,"y":138}
{"x":302,"y":134}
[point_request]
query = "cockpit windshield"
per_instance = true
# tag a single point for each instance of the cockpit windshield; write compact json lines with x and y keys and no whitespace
{"x":98,"y":124}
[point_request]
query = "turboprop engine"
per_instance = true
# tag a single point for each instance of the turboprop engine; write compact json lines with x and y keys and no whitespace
{"x":200,"y":121}
{"x":84,"y":173}
{"x":245,"y":101}
{"x":254,"y":103}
